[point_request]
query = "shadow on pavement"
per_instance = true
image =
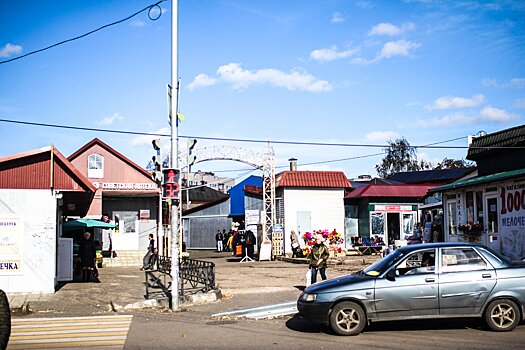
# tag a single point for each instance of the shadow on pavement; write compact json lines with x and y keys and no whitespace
{"x":300,"y":324}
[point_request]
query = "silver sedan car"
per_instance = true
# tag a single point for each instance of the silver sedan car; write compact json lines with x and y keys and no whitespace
{"x":423,"y":281}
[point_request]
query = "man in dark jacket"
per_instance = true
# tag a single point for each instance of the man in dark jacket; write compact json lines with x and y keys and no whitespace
{"x":87,"y":253}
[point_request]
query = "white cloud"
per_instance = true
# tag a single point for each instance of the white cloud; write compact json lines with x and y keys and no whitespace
{"x":489,"y":82}
{"x":451,"y":102}
{"x":295,"y":80}
{"x":390,"y":29}
{"x":397,"y":48}
{"x":201,"y":80}
{"x":381,"y":136}
{"x":519,"y":103}
{"x":146,"y":139}
{"x":137,"y":23}
{"x":452,"y":119}
{"x":515,"y":83}
{"x":389,"y":50}
{"x":10,"y":49}
{"x":331,"y":54}
{"x":487,"y":114}
{"x":364,"y":4}
{"x":116,"y":117}
{"x":337,"y":17}
{"x":497,"y":115}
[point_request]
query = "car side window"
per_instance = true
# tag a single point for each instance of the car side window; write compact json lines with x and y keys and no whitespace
{"x":417,"y":263}
{"x":461,"y":259}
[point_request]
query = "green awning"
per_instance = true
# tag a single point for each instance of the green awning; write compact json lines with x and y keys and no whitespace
{"x":478,"y":180}
{"x":84,"y":223}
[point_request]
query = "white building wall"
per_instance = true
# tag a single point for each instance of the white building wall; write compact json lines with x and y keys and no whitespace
{"x":325,"y":205}
{"x":33,"y":241}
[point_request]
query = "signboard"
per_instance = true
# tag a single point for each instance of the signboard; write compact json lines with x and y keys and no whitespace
{"x":251,"y":217}
{"x":393,"y":207}
{"x":512,"y":220}
{"x":10,"y":246}
{"x":170,"y":183}
{"x":126,"y":186}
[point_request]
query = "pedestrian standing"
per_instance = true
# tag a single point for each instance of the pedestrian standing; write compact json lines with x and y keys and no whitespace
{"x":218,"y":239}
{"x":88,"y":253}
{"x":224,"y":240}
{"x":318,"y":258}
{"x":149,"y":259}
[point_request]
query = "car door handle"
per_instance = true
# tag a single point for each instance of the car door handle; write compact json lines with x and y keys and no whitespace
{"x":486,"y":275}
{"x":430,"y":279}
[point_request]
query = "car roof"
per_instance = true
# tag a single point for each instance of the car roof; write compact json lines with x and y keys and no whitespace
{"x":414,"y":247}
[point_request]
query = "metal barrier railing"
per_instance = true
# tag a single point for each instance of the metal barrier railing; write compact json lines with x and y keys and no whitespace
{"x":195,"y":276}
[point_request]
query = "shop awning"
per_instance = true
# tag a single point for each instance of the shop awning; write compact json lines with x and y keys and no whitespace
{"x":85,"y":223}
{"x":478,"y":180}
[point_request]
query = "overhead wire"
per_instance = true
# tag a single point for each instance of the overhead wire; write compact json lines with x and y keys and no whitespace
{"x":149,"y":8}
{"x":230,"y":139}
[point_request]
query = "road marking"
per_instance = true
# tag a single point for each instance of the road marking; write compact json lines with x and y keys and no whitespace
{"x":69,"y":332}
{"x":260,"y":312}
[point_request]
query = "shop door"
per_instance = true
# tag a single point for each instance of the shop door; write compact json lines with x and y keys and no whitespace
{"x":304,"y":222}
{"x":65,"y":259}
{"x":491,"y":213}
{"x":393,"y":227}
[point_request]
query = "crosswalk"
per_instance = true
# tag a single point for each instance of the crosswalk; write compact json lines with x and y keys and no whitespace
{"x":104,"y":332}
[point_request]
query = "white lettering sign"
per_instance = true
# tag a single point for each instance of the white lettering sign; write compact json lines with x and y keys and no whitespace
{"x":128,"y":186}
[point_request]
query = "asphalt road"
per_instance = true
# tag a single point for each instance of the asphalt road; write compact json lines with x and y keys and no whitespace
{"x":250,"y":285}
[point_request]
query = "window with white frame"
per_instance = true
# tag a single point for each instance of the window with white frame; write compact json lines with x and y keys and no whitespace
{"x":95,"y":166}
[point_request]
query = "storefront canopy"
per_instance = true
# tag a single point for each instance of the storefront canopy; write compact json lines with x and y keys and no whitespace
{"x":85,"y":223}
{"x":478,"y":180}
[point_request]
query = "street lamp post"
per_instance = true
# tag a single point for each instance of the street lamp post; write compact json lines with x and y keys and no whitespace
{"x":174,"y":160}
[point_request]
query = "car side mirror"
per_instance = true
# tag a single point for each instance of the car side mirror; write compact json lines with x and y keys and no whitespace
{"x":391,"y":274}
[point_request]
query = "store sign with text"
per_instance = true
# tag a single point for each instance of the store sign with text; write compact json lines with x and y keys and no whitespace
{"x":512,"y":220}
{"x":10,"y":246}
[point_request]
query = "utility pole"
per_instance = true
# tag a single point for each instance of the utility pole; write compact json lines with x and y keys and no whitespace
{"x":174,"y":160}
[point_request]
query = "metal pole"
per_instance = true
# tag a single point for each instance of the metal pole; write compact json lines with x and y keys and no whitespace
{"x":174,"y":154}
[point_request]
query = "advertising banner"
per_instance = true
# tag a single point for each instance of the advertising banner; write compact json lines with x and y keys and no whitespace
{"x":512,"y":224}
{"x":10,"y":246}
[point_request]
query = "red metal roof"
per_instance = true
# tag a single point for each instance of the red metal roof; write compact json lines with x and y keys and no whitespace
{"x":325,"y":179}
{"x":373,"y":190}
{"x":47,"y":168}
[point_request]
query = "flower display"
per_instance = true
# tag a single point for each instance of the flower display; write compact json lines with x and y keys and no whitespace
{"x":472,"y":230}
{"x":333,"y":240}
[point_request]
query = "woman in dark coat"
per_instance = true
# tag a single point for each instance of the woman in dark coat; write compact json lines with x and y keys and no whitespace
{"x":88,"y":253}
{"x":318,"y":258}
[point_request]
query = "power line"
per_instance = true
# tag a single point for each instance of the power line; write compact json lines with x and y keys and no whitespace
{"x":229,"y":139}
{"x":149,"y":8}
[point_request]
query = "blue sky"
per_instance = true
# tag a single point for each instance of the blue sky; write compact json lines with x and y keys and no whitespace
{"x":333,"y":71}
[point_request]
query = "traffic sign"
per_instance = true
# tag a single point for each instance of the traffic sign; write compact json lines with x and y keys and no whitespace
{"x":170,"y":183}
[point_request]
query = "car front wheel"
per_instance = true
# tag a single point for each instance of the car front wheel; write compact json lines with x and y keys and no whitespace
{"x":502,"y":315}
{"x":347,"y":318}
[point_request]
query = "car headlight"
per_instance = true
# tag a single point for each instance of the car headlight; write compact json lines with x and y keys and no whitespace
{"x":309,"y":297}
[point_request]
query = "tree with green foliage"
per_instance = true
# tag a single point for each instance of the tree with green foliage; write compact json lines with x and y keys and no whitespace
{"x":447,"y":163}
{"x":400,"y":157}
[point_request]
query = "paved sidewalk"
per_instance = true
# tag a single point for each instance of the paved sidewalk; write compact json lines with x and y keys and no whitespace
{"x":242,"y":285}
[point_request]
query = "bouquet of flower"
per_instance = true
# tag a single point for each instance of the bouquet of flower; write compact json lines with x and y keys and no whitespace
{"x":471,"y":230}
{"x":332,"y":239}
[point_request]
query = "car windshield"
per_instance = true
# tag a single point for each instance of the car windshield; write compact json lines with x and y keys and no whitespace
{"x":384,"y":264}
{"x":498,"y":255}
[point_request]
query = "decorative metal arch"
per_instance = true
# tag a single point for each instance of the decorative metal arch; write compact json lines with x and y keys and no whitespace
{"x":254,"y":158}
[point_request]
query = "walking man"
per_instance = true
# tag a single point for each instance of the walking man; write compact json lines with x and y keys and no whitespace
{"x":219,"y":238}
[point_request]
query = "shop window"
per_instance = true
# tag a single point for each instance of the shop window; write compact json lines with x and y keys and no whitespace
{"x":470,"y":206}
{"x":479,"y":207}
{"x":452,"y":217}
{"x":408,"y":224}
{"x":377,"y":223}
{"x":95,"y":166}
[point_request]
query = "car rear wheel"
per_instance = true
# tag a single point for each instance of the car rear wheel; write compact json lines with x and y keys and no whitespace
{"x":347,"y":318}
{"x":502,"y":315}
{"x":5,"y":320}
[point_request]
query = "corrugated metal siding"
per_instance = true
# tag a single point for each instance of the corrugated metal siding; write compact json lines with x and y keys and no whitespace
{"x":24,"y":175}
